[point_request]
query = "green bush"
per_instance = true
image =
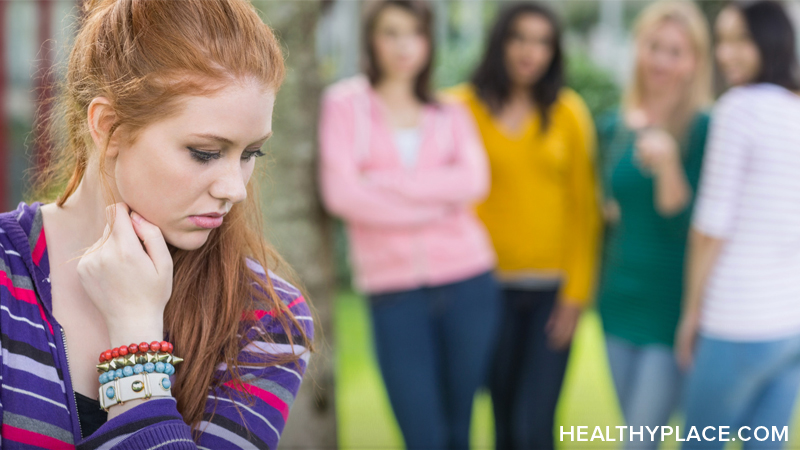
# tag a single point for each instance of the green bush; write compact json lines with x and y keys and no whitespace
{"x":595,"y":85}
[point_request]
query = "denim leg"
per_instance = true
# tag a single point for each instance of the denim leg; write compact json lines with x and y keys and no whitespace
{"x":716,"y":393}
{"x":622,"y":357}
{"x":774,"y":409}
{"x":742,"y":384}
{"x":654,"y":389}
{"x":506,"y":368}
{"x":775,"y":402}
{"x":468,"y":329}
{"x":408,"y":352}
{"x":541,"y":379}
{"x":527,"y":374}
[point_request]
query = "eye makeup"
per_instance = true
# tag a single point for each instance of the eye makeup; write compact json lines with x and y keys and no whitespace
{"x":247,"y":156}
{"x":204,"y":157}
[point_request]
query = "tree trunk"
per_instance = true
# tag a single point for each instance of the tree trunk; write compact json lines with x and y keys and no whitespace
{"x":295,"y":220}
{"x":5,"y":138}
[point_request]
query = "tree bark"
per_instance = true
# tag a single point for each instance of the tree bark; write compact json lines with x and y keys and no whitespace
{"x":5,"y":136}
{"x":295,"y":220}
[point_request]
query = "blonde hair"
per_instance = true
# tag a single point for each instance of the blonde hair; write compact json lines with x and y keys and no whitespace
{"x":698,"y":94}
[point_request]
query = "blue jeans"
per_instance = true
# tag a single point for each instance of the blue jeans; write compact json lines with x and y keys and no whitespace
{"x":433,"y":346}
{"x":648,"y":384}
{"x":527,"y":374}
{"x":739,"y":384}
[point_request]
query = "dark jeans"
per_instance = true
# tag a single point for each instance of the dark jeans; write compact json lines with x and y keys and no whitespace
{"x":526,"y":376}
{"x":434,"y":347}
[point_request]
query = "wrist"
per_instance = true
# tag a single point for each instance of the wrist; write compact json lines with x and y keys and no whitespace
{"x":691,"y":315}
{"x":571,"y":303}
{"x":125,"y":334}
{"x":670,"y":167}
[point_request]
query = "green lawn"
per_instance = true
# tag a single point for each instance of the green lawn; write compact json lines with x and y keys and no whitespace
{"x":365,"y":419}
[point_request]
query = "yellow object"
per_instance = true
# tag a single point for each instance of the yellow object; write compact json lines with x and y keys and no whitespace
{"x":543,"y":208}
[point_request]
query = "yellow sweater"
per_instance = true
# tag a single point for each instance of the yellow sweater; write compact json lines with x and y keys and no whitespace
{"x":543,"y":208}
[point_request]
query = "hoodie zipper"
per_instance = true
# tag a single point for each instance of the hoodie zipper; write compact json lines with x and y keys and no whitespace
{"x":74,"y":397}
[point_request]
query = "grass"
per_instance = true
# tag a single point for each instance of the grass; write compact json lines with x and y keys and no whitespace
{"x":365,"y":419}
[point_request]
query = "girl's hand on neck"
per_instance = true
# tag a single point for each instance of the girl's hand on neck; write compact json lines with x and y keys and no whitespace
{"x":127,"y":274}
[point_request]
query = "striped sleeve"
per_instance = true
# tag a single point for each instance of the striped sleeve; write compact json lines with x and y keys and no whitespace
{"x":246,"y":415}
{"x":725,"y":165}
{"x":254,"y":413}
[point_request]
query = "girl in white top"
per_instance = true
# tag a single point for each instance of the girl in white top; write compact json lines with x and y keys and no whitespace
{"x":740,"y":330}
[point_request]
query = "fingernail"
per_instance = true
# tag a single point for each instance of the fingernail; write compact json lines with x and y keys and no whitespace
{"x":136,"y":217}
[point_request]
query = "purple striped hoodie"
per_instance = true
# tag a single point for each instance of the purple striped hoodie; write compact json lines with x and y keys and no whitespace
{"x":36,"y":399}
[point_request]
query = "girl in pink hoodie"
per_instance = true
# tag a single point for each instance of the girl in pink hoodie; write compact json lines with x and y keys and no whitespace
{"x":402,"y":170}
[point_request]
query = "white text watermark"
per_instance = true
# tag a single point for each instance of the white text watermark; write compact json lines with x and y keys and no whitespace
{"x":625,"y":433}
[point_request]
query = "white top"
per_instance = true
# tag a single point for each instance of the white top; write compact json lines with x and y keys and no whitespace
{"x":750,"y":196}
{"x":407,"y":141}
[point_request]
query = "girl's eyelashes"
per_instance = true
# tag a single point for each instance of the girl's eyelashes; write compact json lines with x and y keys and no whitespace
{"x":247,"y":156}
{"x":203,"y":157}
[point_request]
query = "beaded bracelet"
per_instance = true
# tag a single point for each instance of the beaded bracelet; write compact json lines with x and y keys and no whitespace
{"x":140,"y":359}
{"x":125,"y":371}
{"x":128,"y":371}
{"x":144,"y":347}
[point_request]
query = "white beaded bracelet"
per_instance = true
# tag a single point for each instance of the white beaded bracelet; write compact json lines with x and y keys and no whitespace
{"x":134,"y":387}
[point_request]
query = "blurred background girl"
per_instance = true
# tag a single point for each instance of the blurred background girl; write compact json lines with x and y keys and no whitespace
{"x":651,"y":152}
{"x":740,"y":330}
{"x":542,"y":214}
{"x":402,"y":171}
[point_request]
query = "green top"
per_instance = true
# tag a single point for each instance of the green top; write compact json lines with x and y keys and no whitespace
{"x":641,"y":282}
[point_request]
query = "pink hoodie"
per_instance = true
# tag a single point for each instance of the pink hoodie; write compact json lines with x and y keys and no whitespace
{"x":407,"y":227}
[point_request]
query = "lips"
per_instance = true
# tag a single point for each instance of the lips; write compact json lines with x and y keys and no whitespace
{"x":210,"y":220}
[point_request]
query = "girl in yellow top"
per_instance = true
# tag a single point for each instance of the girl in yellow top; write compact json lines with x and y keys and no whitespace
{"x":542,"y":214}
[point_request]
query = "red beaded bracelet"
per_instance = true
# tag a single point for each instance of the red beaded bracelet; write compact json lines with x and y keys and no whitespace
{"x":144,"y":347}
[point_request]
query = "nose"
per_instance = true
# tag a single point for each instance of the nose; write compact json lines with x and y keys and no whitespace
{"x":661,"y":59}
{"x":230,"y":183}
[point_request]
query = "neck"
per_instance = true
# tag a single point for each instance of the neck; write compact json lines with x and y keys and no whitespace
{"x":396,"y":89}
{"x":660,"y":106}
{"x":83,"y":215}
{"x":520,"y":95}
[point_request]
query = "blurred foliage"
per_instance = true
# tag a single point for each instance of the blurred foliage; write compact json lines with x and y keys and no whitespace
{"x":711,"y":8}
{"x":458,"y":52}
{"x":631,"y":13}
{"x":455,"y":66}
{"x":459,"y":12}
{"x":594,"y":84}
{"x":579,"y":16}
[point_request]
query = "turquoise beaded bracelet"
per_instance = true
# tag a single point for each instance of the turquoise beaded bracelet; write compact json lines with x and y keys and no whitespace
{"x":127,"y":371}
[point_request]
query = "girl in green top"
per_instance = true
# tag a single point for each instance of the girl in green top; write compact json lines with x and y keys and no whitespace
{"x":651,"y":152}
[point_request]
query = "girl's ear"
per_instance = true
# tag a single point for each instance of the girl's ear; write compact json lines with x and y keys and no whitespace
{"x":100,"y":118}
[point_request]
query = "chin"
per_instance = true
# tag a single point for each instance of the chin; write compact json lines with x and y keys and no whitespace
{"x":187,"y":240}
{"x":527,"y":78}
{"x":734,"y":80}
